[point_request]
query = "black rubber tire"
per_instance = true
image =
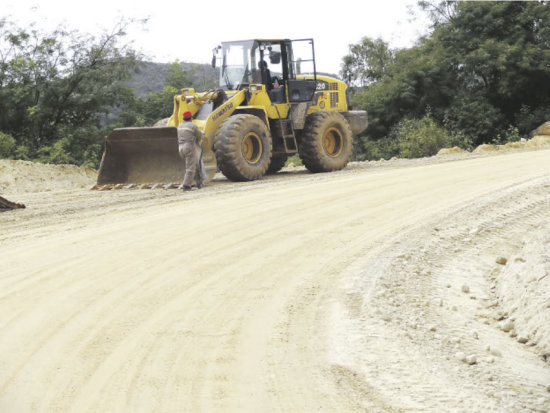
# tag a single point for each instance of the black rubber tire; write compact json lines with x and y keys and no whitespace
{"x":277,"y":163}
{"x":326,"y":142}
{"x":243,"y":147}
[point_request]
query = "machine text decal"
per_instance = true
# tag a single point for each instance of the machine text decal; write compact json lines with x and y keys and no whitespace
{"x":222,"y":111}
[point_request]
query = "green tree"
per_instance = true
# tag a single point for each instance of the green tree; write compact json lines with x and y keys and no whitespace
{"x":56,"y":88}
{"x":416,"y":80}
{"x":366,"y":62}
{"x":499,"y":52}
{"x":7,"y":146}
{"x":154,"y":106}
{"x":440,"y":12}
{"x":483,"y":70}
{"x":177,"y":77}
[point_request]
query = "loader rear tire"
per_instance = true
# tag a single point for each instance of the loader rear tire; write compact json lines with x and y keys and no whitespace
{"x":243,"y":147}
{"x":326,"y":142}
{"x":277,"y":163}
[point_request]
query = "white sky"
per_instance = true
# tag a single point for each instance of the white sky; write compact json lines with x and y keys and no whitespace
{"x":188,"y":31}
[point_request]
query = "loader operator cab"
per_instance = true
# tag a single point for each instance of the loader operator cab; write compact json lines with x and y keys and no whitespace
{"x":277,"y":64}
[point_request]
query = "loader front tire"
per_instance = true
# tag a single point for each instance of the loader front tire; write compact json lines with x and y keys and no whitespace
{"x":326,"y":142}
{"x":243,"y":147}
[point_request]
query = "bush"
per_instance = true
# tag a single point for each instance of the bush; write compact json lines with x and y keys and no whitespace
{"x":410,"y":138}
{"x":418,"y":138}
{"x":22,"y":152}
{"x":374,"y":150}
{"x":461,"y":140}
{"x":56,"y":153}
{"x":7,"y":146}
{"x":91,"y":156}
{"x":509,"y":135}
{"x":294,"y":160}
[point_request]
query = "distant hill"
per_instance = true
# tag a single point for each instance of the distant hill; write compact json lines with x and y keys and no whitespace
{"x":151,"y":75}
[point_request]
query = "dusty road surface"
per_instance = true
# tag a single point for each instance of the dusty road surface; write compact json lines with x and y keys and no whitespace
{"x":415,"y":286}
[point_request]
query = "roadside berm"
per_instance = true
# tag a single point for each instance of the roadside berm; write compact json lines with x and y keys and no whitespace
{"x":26,"y":176}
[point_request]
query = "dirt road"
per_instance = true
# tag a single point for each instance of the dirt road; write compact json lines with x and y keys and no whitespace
{"x":368,"y":289}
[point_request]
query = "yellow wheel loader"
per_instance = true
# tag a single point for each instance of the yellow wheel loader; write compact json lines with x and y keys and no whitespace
{"x":270,"y":104}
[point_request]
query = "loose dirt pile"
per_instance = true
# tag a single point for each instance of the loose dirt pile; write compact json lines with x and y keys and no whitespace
{"x":522,"y":282}
{"x":537,"y":142}
{"x":449,"y":151}
{"x":25,"y":176}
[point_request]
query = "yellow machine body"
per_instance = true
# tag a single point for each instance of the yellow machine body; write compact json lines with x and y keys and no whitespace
{"x":150,"y":155}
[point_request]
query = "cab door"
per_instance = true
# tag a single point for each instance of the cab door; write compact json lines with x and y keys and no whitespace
{"x":301,"y":61}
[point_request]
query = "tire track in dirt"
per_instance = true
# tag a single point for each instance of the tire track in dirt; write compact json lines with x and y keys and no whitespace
{"x":437,"y":303}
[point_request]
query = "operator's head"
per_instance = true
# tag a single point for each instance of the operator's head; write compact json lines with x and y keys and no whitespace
{"x":187,"y":115}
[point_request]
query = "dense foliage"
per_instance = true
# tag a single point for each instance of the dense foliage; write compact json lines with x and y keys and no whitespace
{"x":56,"y":89}
{"x":483,"y":75}
{"x":61,"y":92}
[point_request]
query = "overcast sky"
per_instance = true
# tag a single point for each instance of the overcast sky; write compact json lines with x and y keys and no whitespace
{"x":188,"y":31}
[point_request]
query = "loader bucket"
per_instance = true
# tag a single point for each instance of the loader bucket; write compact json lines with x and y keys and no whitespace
{"x":144,"y":156}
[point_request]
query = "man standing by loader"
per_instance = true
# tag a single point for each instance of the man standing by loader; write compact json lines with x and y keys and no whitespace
{"x":189,"y":140}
